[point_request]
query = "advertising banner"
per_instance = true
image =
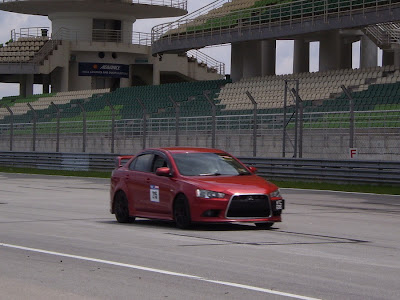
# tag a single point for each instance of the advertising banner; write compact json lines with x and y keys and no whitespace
{"x":104,"y":70}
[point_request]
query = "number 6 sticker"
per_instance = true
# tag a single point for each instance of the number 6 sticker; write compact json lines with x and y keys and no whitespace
{"x":154,"y":193}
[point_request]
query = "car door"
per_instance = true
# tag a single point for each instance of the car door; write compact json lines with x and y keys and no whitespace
{"x":137,"y":182}
{"x":161,"y":188}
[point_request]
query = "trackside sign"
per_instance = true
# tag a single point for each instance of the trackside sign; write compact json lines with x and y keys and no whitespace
{"x":104,"y":70}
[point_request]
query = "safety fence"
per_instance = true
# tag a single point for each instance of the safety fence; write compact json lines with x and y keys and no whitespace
{"x":354,"y":171}
{"x":325,"y":135}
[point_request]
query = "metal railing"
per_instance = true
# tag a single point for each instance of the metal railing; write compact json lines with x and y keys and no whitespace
{"x":169,"y":3}
{"x":385,"y":34}
{"x":292,"y":12}
{"x":211,"y":63}
{"x":338,"y":171}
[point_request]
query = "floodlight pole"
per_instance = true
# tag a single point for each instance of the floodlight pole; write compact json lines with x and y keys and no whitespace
{"x":34,"y":127}
{"x":84,"y":131}
{"x":177,"y":115}
{"x":112,"y":125}
{"x":144,"y":123}
{"x":214,"y":118}
{"x":11,"y":125}
{"x":254,"y":122}
{"x":351,"y":102}
{"x":58,"y":126}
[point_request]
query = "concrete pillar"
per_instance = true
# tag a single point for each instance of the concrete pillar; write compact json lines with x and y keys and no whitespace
{"x":127,"y":82}
{"x":368,"y":53}
{"x":64,"y":79}
{"x":46,"y":84}
{"x":156,"y":71}
{"x":346,"y":60}
{"x":301,"y":56}
{"x":26,"y":85}
{"x":236,"y":62}
{"x":397,"y":58}
{"x":387,"y":58}
{"x":330,"y":51}
{"x":251,"y":59}
{"x":268,"y":57}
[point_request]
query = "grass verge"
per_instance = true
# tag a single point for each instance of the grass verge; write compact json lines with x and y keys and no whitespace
{"x":362,"y":188}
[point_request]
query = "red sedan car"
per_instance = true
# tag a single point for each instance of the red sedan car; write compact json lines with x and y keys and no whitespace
{"x":190,"y":185}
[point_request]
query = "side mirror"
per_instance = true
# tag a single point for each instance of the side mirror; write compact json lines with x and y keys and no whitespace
{"x":166,"y":172}
{"x":253,"y":170}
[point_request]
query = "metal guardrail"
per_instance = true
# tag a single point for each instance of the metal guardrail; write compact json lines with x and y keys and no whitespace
{"x":354,"y":171}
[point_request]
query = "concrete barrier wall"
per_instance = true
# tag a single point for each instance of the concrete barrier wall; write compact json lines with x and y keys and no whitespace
{"x":315,"y":145}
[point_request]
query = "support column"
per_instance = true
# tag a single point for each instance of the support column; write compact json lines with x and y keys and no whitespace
{"x":236,"y":61}
{"x":268,"y":57}
{"x":156,"y":71}
{"x":387,"y":58}
{"x":26,"y":85}
{"x":64,"y":79}
{"x":46,"y":84}
{"x":368,"y":53}
{"x":127,"y":82}
{"x":330,"y":51}
{"x":301,"y":56}
{"x":397,"y":58}
{"x":251,"y":59}
{"x":346,"y":60}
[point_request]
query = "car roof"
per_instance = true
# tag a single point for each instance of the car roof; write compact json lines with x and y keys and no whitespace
{"x":191,"y":150}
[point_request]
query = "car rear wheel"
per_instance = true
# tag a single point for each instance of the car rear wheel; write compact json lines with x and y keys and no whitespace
{"x":182,"y":212}
{"x":264,"y":225}
{"x":121,"y":209}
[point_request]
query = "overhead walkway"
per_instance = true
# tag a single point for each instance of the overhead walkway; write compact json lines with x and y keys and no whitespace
{"x":265,"y":21}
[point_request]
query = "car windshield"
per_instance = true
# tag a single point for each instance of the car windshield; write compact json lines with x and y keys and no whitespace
{"x":208,"y":164}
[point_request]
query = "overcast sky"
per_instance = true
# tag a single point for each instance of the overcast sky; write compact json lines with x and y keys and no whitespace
{"x":284,"y":65}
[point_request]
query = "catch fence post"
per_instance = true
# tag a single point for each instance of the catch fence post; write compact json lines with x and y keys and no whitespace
{"x":254,"y":122}
{"x":58,"y":126}
{"x":177,"y":115}
{"x":34,"y":127}
{"x":112,"y":125}
{"x":214,"y":118}
{"x":84,"y":129}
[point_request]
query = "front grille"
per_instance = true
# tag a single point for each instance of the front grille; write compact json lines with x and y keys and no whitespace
{"x":249,"y":206}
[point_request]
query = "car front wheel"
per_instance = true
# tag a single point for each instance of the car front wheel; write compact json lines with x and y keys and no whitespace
{"x":182,"y":212}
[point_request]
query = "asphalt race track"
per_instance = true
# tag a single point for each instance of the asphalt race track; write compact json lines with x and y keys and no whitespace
{"x":58,"y":240}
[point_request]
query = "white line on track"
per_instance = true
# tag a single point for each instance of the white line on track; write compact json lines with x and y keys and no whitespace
{"x":159,"y":271}
{"x":343,"y":192}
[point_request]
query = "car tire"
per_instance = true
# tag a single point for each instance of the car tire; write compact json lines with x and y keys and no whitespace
{"x":121,"y":209}
{"x":182,"y":212}
{"x":264,"y":225}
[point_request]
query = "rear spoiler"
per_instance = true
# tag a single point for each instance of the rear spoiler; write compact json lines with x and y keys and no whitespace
{"x":122,"y":160}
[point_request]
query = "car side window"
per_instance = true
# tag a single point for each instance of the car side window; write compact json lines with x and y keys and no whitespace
{"x":142,"y":163}
{"x":159,"y":162}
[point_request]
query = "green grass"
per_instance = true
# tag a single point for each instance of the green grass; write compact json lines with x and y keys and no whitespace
{"x":96,"y":174}
{"x":362,"y":188}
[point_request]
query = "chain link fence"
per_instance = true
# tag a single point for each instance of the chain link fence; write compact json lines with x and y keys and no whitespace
{"x":325,"y":134}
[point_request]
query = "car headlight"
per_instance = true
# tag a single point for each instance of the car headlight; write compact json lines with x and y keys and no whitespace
{"x":275,"y":194}
{"x":209,"y":194}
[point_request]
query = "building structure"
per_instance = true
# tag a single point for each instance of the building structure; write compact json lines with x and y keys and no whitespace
{"x":91,"y":45}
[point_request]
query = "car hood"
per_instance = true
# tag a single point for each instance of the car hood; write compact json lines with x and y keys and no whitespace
{"x":251,"y":184}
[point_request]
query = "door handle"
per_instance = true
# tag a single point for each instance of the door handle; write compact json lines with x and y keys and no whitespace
{"x":148,"y":180}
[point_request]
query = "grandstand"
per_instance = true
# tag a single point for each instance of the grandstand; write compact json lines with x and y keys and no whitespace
{"x":97,"y":110}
